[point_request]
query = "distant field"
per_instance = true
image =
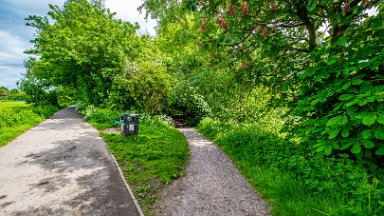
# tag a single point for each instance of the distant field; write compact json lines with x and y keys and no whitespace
{"x":17,"y":117}
{"x":5,"y":105}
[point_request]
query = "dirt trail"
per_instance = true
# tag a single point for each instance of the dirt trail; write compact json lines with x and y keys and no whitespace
{"x":212,"y":185}
{"x":61,"y":167}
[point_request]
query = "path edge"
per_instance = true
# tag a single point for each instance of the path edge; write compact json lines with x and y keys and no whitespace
{"x":125,"y":182}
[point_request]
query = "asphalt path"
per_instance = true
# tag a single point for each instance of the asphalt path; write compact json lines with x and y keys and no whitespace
{"x":61,"y":167}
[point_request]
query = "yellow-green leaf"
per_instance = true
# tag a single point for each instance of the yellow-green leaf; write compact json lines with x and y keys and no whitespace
{"x":333,"y":133}
{"x":380,"y":150}
{"x":379,"y":133}
{"x":357,"y":81}
{"x":380,"y":119}
{"x":345,"y":97}
{"x":370,"y":119}
{"x":356,"y":148}
{"x":366,"y":133}
{"x":368,"y":144}
{"x":344,"y":133}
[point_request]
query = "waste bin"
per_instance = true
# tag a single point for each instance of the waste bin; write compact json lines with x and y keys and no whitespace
{"x":129,"y":124}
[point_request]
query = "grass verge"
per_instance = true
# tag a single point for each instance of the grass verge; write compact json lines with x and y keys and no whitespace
{"x":149,"y":161}
{"x":294,"y":180}
{"x":17,"y":117}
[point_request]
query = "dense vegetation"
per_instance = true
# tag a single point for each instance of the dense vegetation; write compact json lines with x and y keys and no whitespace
{"x":292,"y":90}
{"x":11,"y":95}
{"x":17,"y":117}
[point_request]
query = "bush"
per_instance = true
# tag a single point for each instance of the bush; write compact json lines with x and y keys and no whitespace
{"x":39,"y":92}
{"x":341,"y":98}
{"x":187,"y":104}
{"x":143,"y":86}
{"x":98,"y":117}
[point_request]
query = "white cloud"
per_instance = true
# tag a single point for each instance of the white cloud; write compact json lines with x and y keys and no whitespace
{"x":13,"y":51}
{"x":9,"y":75}
{"x":127,"y":10}
{"x":15,"y":36}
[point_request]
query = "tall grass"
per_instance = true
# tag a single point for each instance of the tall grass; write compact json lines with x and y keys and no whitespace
{"x":17,"y":117}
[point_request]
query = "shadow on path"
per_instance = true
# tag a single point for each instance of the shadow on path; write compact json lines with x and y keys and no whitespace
{"x":61,"y":167}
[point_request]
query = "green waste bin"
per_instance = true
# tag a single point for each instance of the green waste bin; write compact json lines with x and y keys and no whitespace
{"x":129,"y":124}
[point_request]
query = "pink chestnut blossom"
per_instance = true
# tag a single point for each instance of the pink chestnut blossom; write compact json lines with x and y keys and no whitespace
{"x":245,"y":10}
{"x":232,"y":10}
{"x":224,"y":24}
{"x":265,"y":32}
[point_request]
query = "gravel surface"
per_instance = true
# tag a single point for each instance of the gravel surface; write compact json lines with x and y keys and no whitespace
{"x":61,"y":167}
{"x":212,"y":185}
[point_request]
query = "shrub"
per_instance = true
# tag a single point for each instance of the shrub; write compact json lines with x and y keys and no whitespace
{"x":142,"y":85}
{"x":187,"y":104}
{"x":341,"y":99}
{"x":99,"y":117}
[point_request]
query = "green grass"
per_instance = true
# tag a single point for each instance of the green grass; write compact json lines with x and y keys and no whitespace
{"x":150,"y":160}
{"x":17,"y":117}
{"x":292,"y":179}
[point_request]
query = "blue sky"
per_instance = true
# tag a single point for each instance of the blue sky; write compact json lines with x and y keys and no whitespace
{"x":15,"y":36}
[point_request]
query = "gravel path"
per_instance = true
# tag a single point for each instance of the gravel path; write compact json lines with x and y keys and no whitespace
{"x":212,"y":185}
{"x":61,"y":167}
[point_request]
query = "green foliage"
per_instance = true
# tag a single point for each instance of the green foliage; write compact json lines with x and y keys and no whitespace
{"x":4,"y":92}
{"x":83,"y":48}
{"x":303,"y":183}
{"x":90,"y":56}
{"x":38,"y":91}
{"x":17,"y":117}
{"x":11,"y":95}
{"x":142,"y":86}
{"x":150,"y":160}
{"x":99,"y":118}
{"x":186,"y":103}
{"x":341,"y":99}
{"x":250,"y":63}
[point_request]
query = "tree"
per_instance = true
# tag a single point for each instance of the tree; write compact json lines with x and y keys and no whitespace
{"x":293,"y":47}
{"x":3,"y":92}
{"x":143,"y":86}
{"x":82,"y":48}
{"x":341,"y":96}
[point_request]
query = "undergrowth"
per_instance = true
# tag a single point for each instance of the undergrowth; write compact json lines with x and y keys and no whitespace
{"x":17,"y":117}
{"x":295,"y":180}
{"x":150,"y":160}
